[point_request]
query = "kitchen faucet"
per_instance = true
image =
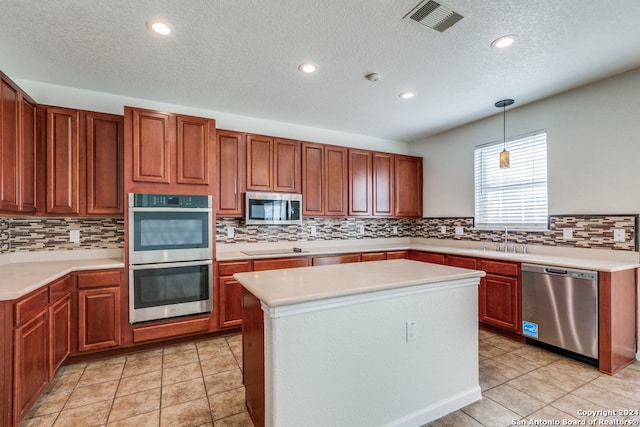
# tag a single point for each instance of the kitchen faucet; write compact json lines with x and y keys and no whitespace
{"x":506,"y":237}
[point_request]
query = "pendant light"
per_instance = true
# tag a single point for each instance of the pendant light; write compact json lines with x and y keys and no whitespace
{"x":504,"y":155}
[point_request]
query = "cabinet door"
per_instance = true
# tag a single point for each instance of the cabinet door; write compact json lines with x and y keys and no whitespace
{"x":231,"y":160}
{"x":104,"y":147}
{"x":383,"y":184}
{"x":98,"y":318}
{"x":335,"y":181}
{"x":28,"y":156}
{"x":360,"y":183}
{"x":30,"y":364}
{"x":231,"y":299}
{"x":151,"y":146}
{"x":10,"y":146}
{"x":59,"y":334}
{"x":259,"y":163}
{"x":426,"y":257}
{"x":286,"y":165}
{"x":193,"y":147}
{"x":499,"y":302}
{"x":63,"y":161}
{"x":312,"y":179}
{"x":408,"y":186}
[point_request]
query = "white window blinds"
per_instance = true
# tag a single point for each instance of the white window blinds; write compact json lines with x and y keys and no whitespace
{"x":515,"y":197}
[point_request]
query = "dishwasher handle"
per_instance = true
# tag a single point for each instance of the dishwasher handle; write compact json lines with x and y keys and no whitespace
{"x":555,"y":271}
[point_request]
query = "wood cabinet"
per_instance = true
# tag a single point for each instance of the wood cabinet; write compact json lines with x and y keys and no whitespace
{"x":499,"y":295}
{"x":104,"y":158}
{"x":427,"y":257}
{"x":461,"y":261}
{"x":381,"y":256}
{"x":230,"y":293}
{"x":360,"y":182}
{"x":407,"y":184}
{"x":59,"y":324}
{"x":17,"y":148}
{"x":168,"y":152}
{"x":84,"y":162}
{"x":383,"y":188}
{"x":335,"y":259}
{"x":253,"y":357}
{"x":273,"y":164}
{"x":324,"y":180}
{"x":279,"y":263}
{"x":230,"y":173}
{"x":99,"y":313}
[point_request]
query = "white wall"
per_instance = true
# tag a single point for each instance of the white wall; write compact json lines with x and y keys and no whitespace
{"x":593,"y":149}
{"x":45,"y":93}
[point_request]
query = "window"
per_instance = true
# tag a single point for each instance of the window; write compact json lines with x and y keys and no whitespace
{"x":515,"y":197}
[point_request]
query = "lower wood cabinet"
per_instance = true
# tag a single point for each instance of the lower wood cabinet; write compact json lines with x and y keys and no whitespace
{"x":499,"y":295}
{"x":99,"y":310}
{"x":230,"y":293}
{"x":426,"y":257}
{"x":59,"y":334}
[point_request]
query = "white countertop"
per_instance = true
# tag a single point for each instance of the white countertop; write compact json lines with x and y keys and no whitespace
{"x":588,"y":259}
{"x":278,"y":288}
{"x":19,"y":278}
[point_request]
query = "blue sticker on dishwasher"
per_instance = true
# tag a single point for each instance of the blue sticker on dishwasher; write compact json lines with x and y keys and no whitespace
{"x":530,"y":329}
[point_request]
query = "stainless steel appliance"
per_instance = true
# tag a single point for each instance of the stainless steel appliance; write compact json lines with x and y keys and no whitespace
{"x":560,"y":308}
{"x":169,"y":228}
{"x":273,"y":208}
{"x":170,"y":256}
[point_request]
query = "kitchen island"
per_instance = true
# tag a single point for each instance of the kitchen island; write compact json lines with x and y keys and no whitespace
{"x":384,"y":343}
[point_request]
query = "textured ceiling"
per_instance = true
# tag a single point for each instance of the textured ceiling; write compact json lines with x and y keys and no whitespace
{"x":241,"y":56}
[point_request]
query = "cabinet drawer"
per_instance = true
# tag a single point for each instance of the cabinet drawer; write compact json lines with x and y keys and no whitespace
{"x":99,"y":279}
{"x":499,"y":267}
{"x":461,"y":261}
{"x":31,"y":305}
{"x":277,"y":264}
{"x":398,"y":255}
{"x":374,"y":256}
{"x":230,"y":268}
{"x":427,"y":257}
{"x":336,"y":259}
{"x":60,"y":288}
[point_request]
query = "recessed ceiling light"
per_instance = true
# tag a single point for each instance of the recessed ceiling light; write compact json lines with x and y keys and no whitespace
{"x":407,"y":95}
{"x":159,"y":27}
{"x":504,"y":41}
{"x":307,"y":68}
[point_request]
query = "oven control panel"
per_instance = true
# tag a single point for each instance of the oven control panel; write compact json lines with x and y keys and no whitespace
{"x":170,"y":201}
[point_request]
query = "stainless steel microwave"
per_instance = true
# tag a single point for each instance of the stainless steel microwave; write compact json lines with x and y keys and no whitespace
{"x":273,"y":208}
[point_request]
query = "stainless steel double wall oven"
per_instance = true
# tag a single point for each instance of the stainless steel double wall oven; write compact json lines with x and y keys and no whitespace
{"x":170,"y":256}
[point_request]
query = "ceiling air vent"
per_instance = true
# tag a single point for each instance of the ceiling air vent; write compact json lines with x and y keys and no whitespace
{"x":434,"y":15}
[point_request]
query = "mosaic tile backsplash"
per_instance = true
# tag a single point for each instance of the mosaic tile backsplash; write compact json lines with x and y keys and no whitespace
{"x":19,"y":234}
{"x":593,"y":231}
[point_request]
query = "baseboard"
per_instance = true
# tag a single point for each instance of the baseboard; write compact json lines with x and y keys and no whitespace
{"x":438,"y":409}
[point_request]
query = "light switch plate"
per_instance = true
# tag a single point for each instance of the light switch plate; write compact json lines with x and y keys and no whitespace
{"x":411,"y":331}
{"x":443,"y":229}
{"x":459,"y":231}
{"x":618,"y":235}
{"x":361,"y":229}
{"x":313,"y":230}
{"x":567,"y":233}
{"x":394,"y":230}
{"x":74,"y":236}
{"x":231,"y":232}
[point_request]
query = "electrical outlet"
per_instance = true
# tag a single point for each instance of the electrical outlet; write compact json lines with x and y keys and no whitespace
{"x":394,"y":230}
{"x":313,"y":230}
{"x":361,"y":229}
{"x":567,"y":233}
{"x":443,"y":229}
{"x":411,"y":331}
{"x":618,"y":235}
{"x":231,"y":232}
{"x":74,"y":236}
{"x":459,"y":231}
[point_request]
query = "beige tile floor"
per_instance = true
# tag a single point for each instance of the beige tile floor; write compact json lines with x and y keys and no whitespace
{"x":200,"y":384}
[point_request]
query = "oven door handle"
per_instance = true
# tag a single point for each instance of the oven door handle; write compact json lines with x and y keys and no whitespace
{"x":133,"y":209}
{"x":169,"y":265}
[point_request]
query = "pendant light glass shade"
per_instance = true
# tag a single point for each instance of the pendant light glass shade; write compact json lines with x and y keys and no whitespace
{"x":504,"y":155}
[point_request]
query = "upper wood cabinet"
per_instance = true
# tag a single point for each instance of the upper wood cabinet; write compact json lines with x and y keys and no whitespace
{"x":231,"y":160}
{"x":84,"y":156}
{"x":62,"y":153}
{"x":360,"y":182}
{"x":104,"y":145}
{"x":168,"y":152}
{"x":383,"y":188}
{"x":17,"y":148}
{"x":324,"y":180}
{"x":273,"y":164}
{"x":408,"y":186}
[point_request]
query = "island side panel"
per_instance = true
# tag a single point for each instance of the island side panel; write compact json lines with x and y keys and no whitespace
{"x":253,"y":356}
{"x":356,"y":360}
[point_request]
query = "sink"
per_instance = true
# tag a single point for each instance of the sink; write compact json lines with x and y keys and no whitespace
{"x":275,"y":252}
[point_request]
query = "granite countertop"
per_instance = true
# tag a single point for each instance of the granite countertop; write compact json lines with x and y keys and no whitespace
{"x":278,"y":288}
{"x":20,"y":278}
{"x":588,"y":259}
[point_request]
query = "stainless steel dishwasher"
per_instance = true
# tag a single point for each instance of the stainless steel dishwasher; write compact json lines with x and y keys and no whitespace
{"x":560,"y":308}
